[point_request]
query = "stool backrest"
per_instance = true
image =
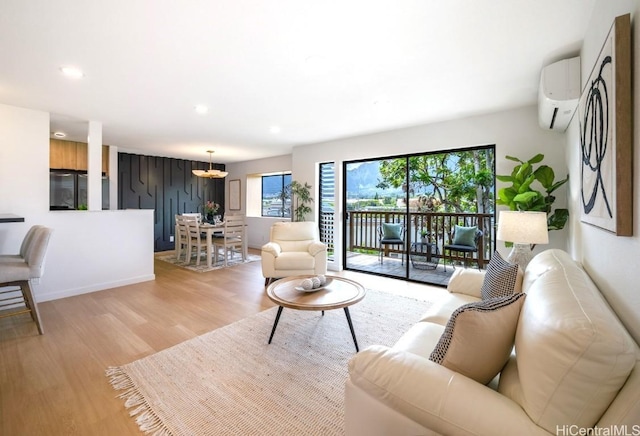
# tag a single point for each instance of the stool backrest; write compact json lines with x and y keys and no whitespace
{"x":38,"y":251}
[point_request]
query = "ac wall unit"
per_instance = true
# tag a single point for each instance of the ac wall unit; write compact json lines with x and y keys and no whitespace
{"x":558,"y":94}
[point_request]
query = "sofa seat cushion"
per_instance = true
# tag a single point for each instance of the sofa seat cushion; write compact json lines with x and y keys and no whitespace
{"x":294,"y":260}
{"x":440,"y":311}
{"x":573,"y":354}
{"x":420,"y":339}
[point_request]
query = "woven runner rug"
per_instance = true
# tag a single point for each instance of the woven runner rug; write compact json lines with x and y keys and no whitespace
{"x":231,"y":382}
{"x":170,"y":256}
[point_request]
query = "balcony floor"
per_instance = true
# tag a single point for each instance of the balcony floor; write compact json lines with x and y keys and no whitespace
{"x":393,"y":266}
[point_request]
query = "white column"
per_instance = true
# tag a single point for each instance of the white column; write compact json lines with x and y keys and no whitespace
{"x":94,"y":173}
{"x":113,"y":177}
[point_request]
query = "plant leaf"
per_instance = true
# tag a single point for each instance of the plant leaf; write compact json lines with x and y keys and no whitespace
{"x":545,"y":175}
{"x":537,"y":158}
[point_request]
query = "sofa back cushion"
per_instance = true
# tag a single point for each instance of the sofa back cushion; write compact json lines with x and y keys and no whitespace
{"x":294,"y":236}
{"x":573,"y":354}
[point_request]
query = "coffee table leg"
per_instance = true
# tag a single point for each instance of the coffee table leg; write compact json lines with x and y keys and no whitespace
{"x":275,"y":323}
{"x":353,"y":334}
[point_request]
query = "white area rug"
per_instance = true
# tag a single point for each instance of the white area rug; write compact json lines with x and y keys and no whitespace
{"x":170,"y":256}
{"x":231,"y":382}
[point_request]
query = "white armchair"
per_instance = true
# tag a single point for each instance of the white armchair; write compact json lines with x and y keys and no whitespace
{"x":294,"y":249}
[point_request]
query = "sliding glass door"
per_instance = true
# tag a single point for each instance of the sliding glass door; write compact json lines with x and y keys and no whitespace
{"x":401,"y":212}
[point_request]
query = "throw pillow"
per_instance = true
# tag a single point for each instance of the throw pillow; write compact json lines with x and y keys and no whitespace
{"x":500,"y":278}
{"x":464,"y":235}
{"x":479,"y":337}
{"x":392,"y":230}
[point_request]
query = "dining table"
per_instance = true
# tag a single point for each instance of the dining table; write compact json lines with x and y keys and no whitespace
{"x":218,"y":228}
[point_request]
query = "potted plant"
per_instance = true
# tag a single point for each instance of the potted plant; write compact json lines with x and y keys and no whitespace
{"x":300,"y":197}
{"x":520,"y":195}
{"x":424,"y":236}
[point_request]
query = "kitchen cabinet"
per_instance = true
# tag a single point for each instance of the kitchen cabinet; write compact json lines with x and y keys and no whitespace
{"x":71,"y":155}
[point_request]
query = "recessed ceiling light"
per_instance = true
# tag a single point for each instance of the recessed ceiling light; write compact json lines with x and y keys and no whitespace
{"x":201,"y":109}
{"x":72,"y":72}
{"x":275,"y":129}
{"x":59,"y":134}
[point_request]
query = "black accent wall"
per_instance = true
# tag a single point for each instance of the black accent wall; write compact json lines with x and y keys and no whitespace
{"x":167,"y":186}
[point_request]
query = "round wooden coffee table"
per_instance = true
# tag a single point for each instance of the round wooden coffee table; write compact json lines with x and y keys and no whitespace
{"x":340,"y":293}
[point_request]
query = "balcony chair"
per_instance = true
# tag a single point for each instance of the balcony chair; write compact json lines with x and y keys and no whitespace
{"x":20,"y":274}
{"x":463,"y":240}
{"x":294,"y":249}
{"x":232,"y":240}
{"x":391,"y":234}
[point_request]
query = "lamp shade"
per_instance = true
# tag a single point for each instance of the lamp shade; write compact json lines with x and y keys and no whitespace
{"x":211,"y":173}
{"x":523,"y":227}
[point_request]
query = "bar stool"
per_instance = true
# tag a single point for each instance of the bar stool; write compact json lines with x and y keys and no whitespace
{"x":20,"y":274}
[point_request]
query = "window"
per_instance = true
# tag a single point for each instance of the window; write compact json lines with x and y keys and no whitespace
{"x":276,"y":201}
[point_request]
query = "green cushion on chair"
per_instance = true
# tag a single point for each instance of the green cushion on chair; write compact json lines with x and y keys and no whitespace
{"x":465,"y":236}
{"x":392,"y":230}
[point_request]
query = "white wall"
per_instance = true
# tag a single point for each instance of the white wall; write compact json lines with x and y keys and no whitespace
{"x":612,"y":261}
{"x":88,"y":251}
{"x":258,"y":227}
{"x":514,"y":132}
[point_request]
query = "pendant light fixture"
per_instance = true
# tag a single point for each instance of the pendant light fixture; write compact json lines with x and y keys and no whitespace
{"x":210,"y":173}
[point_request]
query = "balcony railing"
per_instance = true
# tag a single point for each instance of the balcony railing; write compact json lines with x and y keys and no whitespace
{"x":362,"y":231}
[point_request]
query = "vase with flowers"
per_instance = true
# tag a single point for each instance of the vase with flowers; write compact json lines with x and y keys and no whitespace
{"x":210,"y":209}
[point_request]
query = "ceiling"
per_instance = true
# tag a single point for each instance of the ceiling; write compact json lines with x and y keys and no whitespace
{"x":275,"y":74}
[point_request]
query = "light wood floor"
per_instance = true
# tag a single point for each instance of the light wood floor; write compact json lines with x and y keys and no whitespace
{"x":54,"y":384}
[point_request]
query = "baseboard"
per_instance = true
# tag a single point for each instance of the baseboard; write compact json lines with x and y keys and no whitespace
{"x":93,"y":288}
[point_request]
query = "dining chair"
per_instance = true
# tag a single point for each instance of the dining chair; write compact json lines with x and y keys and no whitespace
{"x":195,"y":240}
{"x":181,"y":235}
{"x":232,"y":240}
{"x":21,"y":274}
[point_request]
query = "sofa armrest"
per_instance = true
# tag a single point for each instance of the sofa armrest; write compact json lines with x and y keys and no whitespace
{"x":317,"y":247}
{"x":272,"y":248}
{"x":436,"y":397}
{"x":466,"y":281}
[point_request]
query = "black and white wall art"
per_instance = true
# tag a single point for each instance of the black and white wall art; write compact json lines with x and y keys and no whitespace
{"x":605,"y":122}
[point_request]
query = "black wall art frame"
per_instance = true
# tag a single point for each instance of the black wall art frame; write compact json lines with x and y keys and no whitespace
{"x":606,"y":135}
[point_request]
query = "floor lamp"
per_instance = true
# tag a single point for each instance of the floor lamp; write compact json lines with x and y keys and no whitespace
{"x":523,"y":229}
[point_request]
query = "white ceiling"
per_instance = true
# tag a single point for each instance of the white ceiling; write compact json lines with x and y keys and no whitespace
{"x":319,"y":70}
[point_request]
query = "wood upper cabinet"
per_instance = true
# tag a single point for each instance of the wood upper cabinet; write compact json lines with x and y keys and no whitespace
{"x":70,"y":155}
{"x":62,"y":155}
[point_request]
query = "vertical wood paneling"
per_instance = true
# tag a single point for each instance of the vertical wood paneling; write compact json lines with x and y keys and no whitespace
{"x":168,"y":187}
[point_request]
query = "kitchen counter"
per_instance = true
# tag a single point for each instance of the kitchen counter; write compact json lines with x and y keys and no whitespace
{"x":10,"y":218}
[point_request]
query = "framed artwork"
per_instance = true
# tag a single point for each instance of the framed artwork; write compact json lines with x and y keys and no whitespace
{"x":234,"y":194}
{"x":606,"y":134}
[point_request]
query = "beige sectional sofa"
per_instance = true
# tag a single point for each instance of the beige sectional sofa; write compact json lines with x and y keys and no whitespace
{"x":574,"y":366}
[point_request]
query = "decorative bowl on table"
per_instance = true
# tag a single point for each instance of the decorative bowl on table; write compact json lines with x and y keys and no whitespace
{"x":313,"y":284}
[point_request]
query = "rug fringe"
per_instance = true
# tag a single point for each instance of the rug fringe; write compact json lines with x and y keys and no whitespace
{"x":147,"y":420}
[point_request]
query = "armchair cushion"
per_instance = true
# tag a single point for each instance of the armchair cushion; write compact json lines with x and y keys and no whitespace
{"x":478,"y":338}
{"x":392,"y":230}
{"x":465,"y":236}
{"x":500,"y":279}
